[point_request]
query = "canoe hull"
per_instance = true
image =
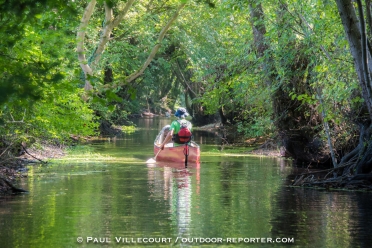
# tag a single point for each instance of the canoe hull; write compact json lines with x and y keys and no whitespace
{"x":177,"y":153}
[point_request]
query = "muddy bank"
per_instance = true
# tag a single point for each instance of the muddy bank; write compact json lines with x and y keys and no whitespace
{"x":13,"y":168}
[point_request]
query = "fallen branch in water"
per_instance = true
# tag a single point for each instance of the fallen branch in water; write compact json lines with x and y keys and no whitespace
{"x":24,"y":148}
{"x":334,"y":178}
{"x":14,"y":188}
{"x":6,"y":149}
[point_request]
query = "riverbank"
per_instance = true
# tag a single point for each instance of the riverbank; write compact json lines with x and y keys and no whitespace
{"x":262,"y":146}
{"x":13,"y":169}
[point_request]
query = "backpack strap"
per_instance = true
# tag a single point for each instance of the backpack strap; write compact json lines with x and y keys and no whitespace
{"x":181,"y":124}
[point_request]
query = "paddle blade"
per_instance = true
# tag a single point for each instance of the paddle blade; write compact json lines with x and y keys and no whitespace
{"x":151,"y":161}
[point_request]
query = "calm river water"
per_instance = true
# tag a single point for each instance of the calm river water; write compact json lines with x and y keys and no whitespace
{"x":228,"y":200}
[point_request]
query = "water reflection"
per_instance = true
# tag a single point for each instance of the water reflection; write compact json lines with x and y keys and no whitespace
{"x":224,"y":196}
{"x":321,"y":218}
{"x":173,"y":183}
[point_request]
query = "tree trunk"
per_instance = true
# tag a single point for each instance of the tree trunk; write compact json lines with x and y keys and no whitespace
{"x":359,"y":160}
{"x":110,"y":24}
{"x":356,"y":35}
{"x":353,"y":34}
{"x":80,"y":43}
{"x":155,"y":49}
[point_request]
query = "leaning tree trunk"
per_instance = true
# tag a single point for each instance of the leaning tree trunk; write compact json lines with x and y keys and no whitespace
{"x":88,"y":66}
{"x":355,"y":31}
{"x":80,"y":43}
{"x":360,"y":54}
{"x":155,"y":49}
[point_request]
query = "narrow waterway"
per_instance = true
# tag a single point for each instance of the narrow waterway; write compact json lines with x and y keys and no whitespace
{"x":115,"y":199}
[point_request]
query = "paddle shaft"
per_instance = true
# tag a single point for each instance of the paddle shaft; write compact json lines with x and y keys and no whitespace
{"x":157,"y":154}
{"x":186,"y":152}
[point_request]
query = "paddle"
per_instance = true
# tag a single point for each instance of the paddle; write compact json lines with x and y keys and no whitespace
{"x":186,"y":152}
{"x":153,"y":160}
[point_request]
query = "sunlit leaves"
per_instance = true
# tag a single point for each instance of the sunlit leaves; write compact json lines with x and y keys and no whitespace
{"x":210,"y":50}
{"x":62,"y":117}
{"x":39,"y":94}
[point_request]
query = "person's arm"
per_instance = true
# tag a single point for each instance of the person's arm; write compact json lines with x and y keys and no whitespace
{"x":167,"y":139}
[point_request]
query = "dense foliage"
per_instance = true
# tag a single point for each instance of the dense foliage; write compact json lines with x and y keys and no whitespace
{"x":268,"y":68}
{"x":39,"y":94}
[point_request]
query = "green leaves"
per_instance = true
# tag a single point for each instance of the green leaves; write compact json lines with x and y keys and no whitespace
{"x":209,"y":59}
{"x":304,"y":98}
{"x":39,"y":96}
{"x":111,"y":96}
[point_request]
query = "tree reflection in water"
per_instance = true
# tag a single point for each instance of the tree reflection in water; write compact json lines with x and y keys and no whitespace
{"x":173,"y":182}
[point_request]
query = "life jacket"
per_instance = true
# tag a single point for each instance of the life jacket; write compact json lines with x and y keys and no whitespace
{"x":184,"y":135}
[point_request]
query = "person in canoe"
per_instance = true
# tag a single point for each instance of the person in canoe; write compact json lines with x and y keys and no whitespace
{"x":180,"y":129}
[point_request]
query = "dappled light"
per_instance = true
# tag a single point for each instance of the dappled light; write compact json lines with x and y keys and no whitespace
{"x":185,"y":123}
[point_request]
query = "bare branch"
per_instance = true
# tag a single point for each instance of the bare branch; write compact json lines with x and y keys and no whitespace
{"x":155,"y":49}
{"x":184,"y":80}
{"x":110,"y":24}
{"x":80,"y":42}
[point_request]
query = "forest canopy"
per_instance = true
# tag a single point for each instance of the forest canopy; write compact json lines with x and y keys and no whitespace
{"x":296,"y":71}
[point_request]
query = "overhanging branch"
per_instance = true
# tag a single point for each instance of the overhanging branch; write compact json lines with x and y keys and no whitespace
{"x":155,"y":49}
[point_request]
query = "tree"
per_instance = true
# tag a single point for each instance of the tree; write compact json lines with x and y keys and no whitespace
{"x":355,"y":30}
{"x":109,"y":24}
{"x":39,"y":92}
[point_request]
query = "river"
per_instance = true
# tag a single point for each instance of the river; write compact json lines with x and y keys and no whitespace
{"x":115,"y":199}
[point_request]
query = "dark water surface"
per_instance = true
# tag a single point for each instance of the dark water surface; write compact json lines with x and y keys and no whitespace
{"x":228,"y":200}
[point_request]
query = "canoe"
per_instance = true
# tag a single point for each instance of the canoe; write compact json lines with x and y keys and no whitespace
{"x":172,"y":153}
